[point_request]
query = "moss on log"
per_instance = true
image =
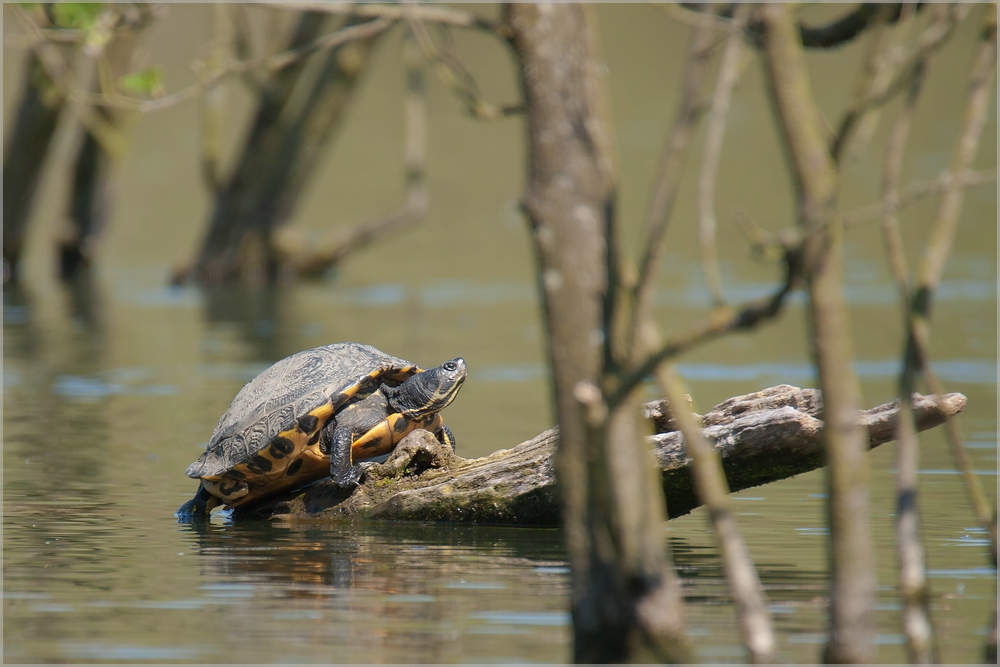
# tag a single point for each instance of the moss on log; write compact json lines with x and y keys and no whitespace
{"x":761,"y":437}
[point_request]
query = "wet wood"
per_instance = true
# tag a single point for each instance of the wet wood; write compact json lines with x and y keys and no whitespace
{"x":761,"y":437}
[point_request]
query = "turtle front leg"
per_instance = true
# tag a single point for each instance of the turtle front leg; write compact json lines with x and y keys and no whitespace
{"x":446,"y":437}
{"x":338,"y":442}
{"x":198,"y":507}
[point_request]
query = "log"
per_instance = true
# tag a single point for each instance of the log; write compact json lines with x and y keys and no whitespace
{"x":761,"y":437}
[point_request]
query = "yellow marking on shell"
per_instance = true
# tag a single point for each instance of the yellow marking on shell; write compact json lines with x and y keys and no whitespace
{"x":265,"y":473}
{"x":387,"y":433}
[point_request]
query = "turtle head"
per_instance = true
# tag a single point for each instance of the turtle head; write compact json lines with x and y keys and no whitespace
{"x":428,"y":392}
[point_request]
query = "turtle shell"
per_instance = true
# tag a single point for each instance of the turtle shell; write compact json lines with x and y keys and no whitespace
{"x":268,"y":439}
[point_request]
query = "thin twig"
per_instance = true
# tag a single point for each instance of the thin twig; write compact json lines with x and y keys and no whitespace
{"x":939,"y":247}
{"x":901,"y":62}
{"x":270,"y":64}
{"x":675,"y":149}
{"x":729,"y":72}
{"x":455,"y":76}
{"x":721,"y":320}
{"x":913,"y":580}
{"x":887,"y":39}
{"x":713,"y":492}
{"x":918,"y":190}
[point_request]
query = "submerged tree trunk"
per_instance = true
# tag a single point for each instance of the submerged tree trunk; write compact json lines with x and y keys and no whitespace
{"x":761,"y":438}
{"x":299,"y":108}
{"x":24,"y":156}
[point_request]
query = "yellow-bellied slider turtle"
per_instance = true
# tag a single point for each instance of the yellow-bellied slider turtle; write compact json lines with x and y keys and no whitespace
{"x":317,"y":413}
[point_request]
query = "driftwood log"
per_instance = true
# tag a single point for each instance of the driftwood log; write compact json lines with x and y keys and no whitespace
{"x":761,"y":437}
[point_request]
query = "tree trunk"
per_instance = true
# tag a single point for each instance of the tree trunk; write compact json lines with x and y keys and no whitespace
{"x":297,"y":114}
{"x":626,"y":602}
{"x":761,"y":438}
{"x":24,"y":157}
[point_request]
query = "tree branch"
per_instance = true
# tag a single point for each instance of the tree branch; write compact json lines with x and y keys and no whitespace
{"x":713,"y":492}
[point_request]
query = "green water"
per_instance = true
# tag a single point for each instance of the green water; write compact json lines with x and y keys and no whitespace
{"x":112,"y":388}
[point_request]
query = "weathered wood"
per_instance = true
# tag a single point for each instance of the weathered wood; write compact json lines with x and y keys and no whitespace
{"x":761,"y":437}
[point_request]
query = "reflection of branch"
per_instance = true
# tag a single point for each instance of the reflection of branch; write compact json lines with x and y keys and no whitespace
{"x":272,"y":63}
{"x":728,"y":74}
{"x":315,"y":262}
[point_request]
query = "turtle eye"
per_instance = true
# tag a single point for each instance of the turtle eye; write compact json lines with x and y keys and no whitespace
{"x":449,"y":366}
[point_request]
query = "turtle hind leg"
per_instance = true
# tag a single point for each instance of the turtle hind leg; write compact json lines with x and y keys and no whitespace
{"x":345,"y":475}
{"x":198,"y":507}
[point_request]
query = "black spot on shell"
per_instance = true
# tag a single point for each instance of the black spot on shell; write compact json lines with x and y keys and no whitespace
{"x":400,"y":425}
{"x":259,"y":464}
{"x":294,"y":467}
{"x":236,"y":474}
{"x":228,"y":490}
{"x":313,"y":440}
{"x":308,"y":423}
{"x":281,"y":447}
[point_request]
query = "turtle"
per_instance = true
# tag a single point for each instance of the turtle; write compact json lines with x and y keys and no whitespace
{"x":315,"y":413}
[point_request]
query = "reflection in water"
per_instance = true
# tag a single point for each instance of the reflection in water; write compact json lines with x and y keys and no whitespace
{"x":262,"y":316}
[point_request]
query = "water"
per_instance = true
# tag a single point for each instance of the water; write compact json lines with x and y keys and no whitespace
{"x":112,"y":388}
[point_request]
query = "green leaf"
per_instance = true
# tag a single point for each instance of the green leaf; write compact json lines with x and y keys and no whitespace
{"x":146,"y":82}
{"x":76,"y":15}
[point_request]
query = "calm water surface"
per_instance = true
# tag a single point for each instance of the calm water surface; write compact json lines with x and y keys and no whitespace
{"x":111,"y":389}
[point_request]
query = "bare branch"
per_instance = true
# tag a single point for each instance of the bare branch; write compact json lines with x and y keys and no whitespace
{"x":913,"y":580}
{"x":939,"y":247}
{"x":852,"y":575}
{"x":722,"y":320}
{"x":729,"y":72}
{"x":713,"y":492}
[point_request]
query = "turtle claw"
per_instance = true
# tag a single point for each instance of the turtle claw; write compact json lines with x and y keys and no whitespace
{"x":346,"y":480}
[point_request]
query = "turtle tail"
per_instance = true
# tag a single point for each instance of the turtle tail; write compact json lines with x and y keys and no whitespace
{"x":198,"y":507}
